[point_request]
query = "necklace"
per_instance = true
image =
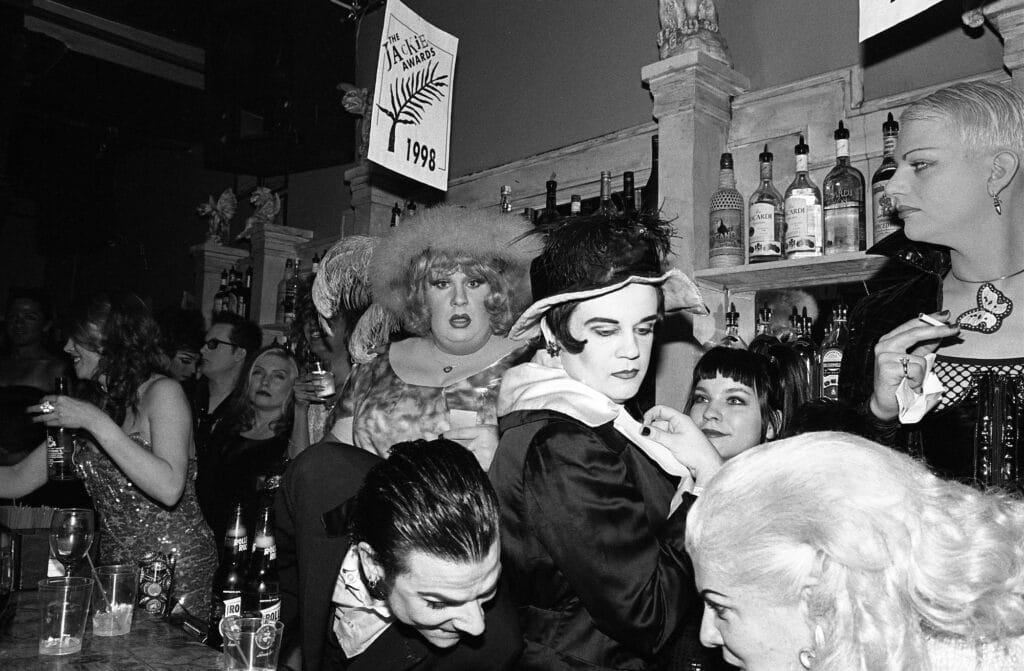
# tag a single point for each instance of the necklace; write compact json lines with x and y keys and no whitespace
{"x":993,"y":306}
{"x":445,"y":367}
{"x":995,"y":279}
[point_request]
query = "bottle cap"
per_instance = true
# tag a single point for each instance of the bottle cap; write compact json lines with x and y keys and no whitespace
{"x":725,"y":163}
{"x":765,"y":156}
{"x":841,"y":133}
{"x":801,"y":147}
{"x":891,"y":126}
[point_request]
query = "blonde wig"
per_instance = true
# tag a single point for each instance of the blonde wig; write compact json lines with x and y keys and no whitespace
{"x":984,"y":114}
{"x":892,"y":554}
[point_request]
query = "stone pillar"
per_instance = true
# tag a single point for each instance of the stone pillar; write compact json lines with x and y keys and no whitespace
{"x":271,"y":246}
{"x":209,"y":260}
{"x":1007,"y":16}
{"x":692,"y":94}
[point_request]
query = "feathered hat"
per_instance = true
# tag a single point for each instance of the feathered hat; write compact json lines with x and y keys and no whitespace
{"x":589,"y":256}
{"x":487,"y":236}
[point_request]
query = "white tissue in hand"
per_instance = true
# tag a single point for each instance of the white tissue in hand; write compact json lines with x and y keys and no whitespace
{"x":915,"y":404}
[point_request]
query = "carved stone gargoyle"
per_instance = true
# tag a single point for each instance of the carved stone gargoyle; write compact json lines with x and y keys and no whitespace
{"x":691,"y":25}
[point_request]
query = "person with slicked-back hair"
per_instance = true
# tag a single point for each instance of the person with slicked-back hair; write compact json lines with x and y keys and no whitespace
{"x":829,"y":552}
{"x":393,"y":564}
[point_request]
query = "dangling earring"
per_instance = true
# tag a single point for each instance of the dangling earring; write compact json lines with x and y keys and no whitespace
{"x":998,"y":204}
{"x":806,"y":658}
{"x":373,"y":588}
{"x":553,"y":349}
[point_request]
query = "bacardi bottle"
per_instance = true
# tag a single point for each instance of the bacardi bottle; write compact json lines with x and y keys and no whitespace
{"x":844,"y":201}
{"x":725,"y":221}
{"x":830,"y":355}
{"x":885,"y":218}
{"x":227,"y":580}
{"x":261,"y":595}
{"x":767,"y":216}
{"x":803,"y":210}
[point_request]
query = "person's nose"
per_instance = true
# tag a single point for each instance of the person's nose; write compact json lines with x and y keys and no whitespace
{"x":459,"y":295}
{"x":897,"y":185}
{"x":709,"y":634}
{"x":629,"y":346}
{"x":470,"y":619}
{"x":69,"y":347}
{"x":712,"y":411}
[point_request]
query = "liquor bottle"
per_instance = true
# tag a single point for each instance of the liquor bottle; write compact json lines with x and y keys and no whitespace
{"x":604,"y":205}
{"x":396,"y":215}
{"x":530,"y":215}
{"x":410,"y":208}
{"x":767,"y":216}
{"x":885,"y":218}
{"x":732,"y":338}
{"x":220,"y":298}
{"x":575,"y":205}
{"x":764,"y":339}
{"x":830,"y":355}
{"x":725,"y":230}
{"x":315,"y":268}
{"x":60,"y":442}
{"x":628,"y":193}
{"x":248,"y":293}
{"x":843,"y":196}
{"x":261,"y":593}
{"x":805,"y":349}
{"x":231,"y":297}
{"x":550,"y":200}
{"x":650,"y":202}
{"x":281,"y":287}
{"x":505,"y":204}
{"x":291,"y":292}
{"x":227,"y":580}
{"x":803,"y":210}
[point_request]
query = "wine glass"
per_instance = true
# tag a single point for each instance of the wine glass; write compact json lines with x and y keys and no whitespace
{"x":71,"y":532}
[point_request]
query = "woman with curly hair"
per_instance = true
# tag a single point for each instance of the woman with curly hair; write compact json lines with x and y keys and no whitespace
{"x":454,"y":280}
{"x":827,"y":551}
{"x":249,"y":447}
{"x":136,"y":462}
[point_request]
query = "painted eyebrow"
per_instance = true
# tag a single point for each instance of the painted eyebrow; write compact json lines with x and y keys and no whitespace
{"x":911,"y":151}
{"x":608,"y":320}
{"x":448,"y":600}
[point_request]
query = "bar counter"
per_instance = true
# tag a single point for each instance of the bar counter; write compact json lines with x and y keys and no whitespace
{"x":152,"y":644}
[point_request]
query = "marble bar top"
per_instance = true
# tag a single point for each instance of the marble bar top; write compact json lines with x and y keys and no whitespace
{"x":152,"y":645}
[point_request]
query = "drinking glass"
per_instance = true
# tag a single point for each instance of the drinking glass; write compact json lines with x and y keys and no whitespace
{"x":71,"y":532}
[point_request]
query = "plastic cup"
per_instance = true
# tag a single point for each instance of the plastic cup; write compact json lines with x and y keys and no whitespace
{"x":113,"y":600}
{"x":250,"y":644}
{"x":63,"y":612}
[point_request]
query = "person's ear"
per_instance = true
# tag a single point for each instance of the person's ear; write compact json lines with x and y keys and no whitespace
{"x":368,"y":560}
{"x":774,"y":421}
{"x":1005,"y":165}
{"x":240,"y":353}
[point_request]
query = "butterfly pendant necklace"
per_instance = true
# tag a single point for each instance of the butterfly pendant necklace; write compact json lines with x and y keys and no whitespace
{"x":993,"y":306}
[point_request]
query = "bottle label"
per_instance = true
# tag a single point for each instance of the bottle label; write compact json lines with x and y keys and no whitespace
{"x":726,"y":238}
{"x":236,"y":542}
{"x":831,"y":363}
{"x":232,"y":603}
{"x":884,"y":221}
{"x":801,"y":162}
{"x":803,"y":225}
{"x":765,"y":233}
{"x":842,"y":228}
{"x":843,"y":147}
{"x":267,"y":544}
{"x":888,"y":145}
{"x":270,"y":609}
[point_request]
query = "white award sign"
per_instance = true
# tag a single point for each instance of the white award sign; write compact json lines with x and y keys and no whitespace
{"x":412,"y":100}
{"x":879,"y":15}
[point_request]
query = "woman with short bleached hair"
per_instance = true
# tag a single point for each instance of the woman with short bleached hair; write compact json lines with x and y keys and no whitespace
{"x":455,"y":280}
{"x":959,"y":190}
{"x":830,"y":552}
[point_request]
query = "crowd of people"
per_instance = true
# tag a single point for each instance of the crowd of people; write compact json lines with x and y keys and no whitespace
{"x":483,"y":490}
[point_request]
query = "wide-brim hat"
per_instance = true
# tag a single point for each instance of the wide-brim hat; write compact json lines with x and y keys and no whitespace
{"x":589,"y":256}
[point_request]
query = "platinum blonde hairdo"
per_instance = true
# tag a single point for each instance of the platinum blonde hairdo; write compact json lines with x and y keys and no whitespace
{"x":892,"y":553}
{"x":984,"y":114}
{"x":451,"y":237}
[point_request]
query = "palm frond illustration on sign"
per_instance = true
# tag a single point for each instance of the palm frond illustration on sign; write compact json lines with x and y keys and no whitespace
{"x":411,"y":119}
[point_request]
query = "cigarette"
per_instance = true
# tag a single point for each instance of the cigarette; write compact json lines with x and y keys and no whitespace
{"x":928,"y":319}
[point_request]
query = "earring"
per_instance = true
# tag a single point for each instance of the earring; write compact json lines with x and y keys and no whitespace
{"x":998,"y":204}
{"x":552,"y":348}
{"x":806,"y":658}
{"x":373,"y":588}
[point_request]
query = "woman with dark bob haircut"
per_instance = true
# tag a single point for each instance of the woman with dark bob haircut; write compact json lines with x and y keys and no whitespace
{"x":454,"y":279}
{"x":397,"y":561}
{"x":135,"y":459}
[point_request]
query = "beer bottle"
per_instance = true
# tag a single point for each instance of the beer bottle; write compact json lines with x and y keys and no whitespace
{"x":227,"y":580}
{"x":262,"y":592}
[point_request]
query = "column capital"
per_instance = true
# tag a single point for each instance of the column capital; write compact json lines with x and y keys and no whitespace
{"x":211,"y":256}
{"x":1007,"y":16}
{"x":277,"y":240}
{"x":693,"y":82}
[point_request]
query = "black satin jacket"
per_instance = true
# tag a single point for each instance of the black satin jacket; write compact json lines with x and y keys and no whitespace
{"x":595,"y":563}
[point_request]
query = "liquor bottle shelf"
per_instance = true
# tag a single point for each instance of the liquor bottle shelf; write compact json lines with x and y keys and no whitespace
{"x":817,"y":270}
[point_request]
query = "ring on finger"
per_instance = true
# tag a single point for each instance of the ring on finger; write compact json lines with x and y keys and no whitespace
{"x":905,"y":362}
{"x":46,"y":407}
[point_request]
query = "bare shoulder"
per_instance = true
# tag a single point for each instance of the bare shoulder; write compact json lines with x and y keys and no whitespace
{"x":160,"y":389}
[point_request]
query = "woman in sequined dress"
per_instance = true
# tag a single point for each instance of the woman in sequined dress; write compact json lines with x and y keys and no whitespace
{"x":137,"y":465}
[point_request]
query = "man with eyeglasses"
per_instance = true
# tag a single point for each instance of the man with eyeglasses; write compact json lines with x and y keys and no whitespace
{"x":232,"y":342}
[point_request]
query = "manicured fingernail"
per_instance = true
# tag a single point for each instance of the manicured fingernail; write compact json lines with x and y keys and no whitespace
{"x":646,"y":431}
{"x":944,"y":313}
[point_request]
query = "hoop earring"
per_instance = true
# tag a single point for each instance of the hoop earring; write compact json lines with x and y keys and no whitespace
{"x":998,"y":204}
{"x":806,"y":658}
{"x":553,"y":349}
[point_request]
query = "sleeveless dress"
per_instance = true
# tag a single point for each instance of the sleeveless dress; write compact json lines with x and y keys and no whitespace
{"x":132,"y":524}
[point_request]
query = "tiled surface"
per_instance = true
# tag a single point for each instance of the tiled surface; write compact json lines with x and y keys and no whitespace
{"x":152,"y":645}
